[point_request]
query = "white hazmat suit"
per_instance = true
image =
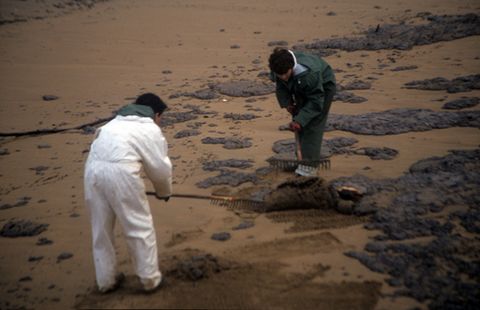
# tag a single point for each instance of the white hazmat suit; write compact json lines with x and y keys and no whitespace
{"x":114,"y":190}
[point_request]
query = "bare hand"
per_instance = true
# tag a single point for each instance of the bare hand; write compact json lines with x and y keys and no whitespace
{"x":294,"y":126}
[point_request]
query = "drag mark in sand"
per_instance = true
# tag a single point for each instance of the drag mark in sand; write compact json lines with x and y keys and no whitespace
{"x":222,"y":283}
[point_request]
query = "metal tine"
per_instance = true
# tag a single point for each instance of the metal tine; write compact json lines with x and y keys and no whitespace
{"x":237,"y":203}
{"x":217,"y":201}
{"x":291,"y":163}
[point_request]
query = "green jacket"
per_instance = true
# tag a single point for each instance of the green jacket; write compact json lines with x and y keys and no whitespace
{"x":137,"y":110}
{"x":307,"y":89}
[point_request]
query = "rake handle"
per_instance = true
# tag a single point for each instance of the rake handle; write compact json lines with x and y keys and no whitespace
{"x":193,"y":196}
{"x":298,"y":146}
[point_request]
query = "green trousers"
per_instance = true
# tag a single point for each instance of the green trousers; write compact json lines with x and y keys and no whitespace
{"x":311,"y":136}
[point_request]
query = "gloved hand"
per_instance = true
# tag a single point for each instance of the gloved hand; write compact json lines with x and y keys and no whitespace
{"x":294,"y":126}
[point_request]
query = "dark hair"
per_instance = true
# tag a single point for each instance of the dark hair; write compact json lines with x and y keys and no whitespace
{"x":280,"y":61}
{"x":153,"y":101}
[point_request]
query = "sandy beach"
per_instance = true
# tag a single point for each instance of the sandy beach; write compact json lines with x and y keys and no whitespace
{"x":404,"y":129}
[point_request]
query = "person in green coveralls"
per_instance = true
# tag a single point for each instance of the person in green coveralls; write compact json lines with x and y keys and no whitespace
{"x":305,"y":86}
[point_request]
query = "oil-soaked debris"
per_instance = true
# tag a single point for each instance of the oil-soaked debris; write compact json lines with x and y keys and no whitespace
{"x":348,"y":97}
{"x":404,"y":68}
{"x":44,"y":146}
{"x":355,"y":85}
{"x":63,"y":256}
{"x":462,"y":103}
{"x":22,"y":201}
{"x":457,"y":85}
{"x":170,"y":118}
{"x":284,"y":146}
{"x":228,"y":177}
{"x":39,"y":170}
{"x":202,"y":94}
{"x":22,"y":228}
{"x":263,"y":171}
{"x":205,"y":94}
{"x":196,"y":125}
{"x":442,"y":269}
{"x":198,"y":110}
{"x":264,"y":75}
{"x":277,"y":43}
{"x":186,"y":133}
{"x":49,"y":97}
{"x":240,"y":117}
{"x":25,"y":10}
{"x":376,"y":153}
{"x":301,"y":193}
{"x":44,"y":241}
{"x":244,"y":225}
{"x":196,"y":266}
{"x":403,"y":36}
{"x":402,"y":120}
{"x":340,"y":145}
{"x":221,"y":236}
{"x":35,"y":258}
{"x":88,"y":130}
{"x":245,"y":88}
{"x":229,"y":143}
{"x":228,"y":163}
{"x":336,"y":146}
{"x":178,"y":95}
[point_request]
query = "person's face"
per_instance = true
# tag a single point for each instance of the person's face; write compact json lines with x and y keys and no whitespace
{"x":157,"y":118}
{"x":286,"y":75}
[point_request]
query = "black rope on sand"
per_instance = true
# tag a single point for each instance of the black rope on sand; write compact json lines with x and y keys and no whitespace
{"x":54,"y":130}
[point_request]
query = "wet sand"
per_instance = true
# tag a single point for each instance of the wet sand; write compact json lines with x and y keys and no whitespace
{"x":64,"y":65}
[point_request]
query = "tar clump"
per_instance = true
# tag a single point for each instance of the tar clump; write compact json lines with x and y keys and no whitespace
{"x":302,"y":193}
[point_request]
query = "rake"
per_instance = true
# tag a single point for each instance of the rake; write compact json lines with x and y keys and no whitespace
{"x":291,"y":164}
{"x":224,"y":201}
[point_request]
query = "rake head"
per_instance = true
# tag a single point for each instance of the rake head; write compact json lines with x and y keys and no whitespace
{"x":234,"y":203}
{"x":291,"y":164}
{"x":223,"y":201}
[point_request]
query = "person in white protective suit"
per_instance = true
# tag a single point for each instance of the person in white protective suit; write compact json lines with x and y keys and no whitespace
{"x":114,"y":189}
